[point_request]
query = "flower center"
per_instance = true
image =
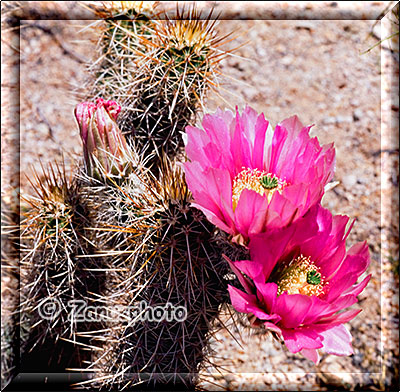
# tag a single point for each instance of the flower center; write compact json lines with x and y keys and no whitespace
{"x":301,"y":276}
{"x":256,"y":180}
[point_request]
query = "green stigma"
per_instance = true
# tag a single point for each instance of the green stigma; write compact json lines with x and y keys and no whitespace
{"x":269,"y":182}
{"x":313,"y":277}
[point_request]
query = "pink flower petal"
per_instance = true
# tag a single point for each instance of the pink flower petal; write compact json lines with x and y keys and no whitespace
{"x":241,"y":300}
{"x":196,"y":147}
{"x":311,"y":354}
{"x":213,"y":193}
{"x":245,"y":282}
{"x":273,"y":327}
{"x":281,"y":212}
{"x":241,"y":146}
{"x":293,"y":309}
{"x":299,"y":339}
{"x":357,"y":289}
{"x":352,"y":267}
{"x":261,"y":314}
{"x":339,"y":318}
{"x":278,"y":141}
{"x":267,"y":294}
{"x":266,"y":248}
{"x":250,"y":213}
{"x":261,"y":144}
{"x":247,"y":303}
{"x":252,"y":269}
{"x":318,"y":309}
{"x":337,"y":341}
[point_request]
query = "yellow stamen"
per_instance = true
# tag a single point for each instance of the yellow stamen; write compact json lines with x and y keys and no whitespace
{"x":258,"y":181}
{"x":301,"y":276}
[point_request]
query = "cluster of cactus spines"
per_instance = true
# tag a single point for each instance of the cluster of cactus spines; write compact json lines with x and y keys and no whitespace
{"x":176,"y":75}
{"x":53,"y":271}
{"x":124,"y":25}
{"x":162,"y":75}
{"x":8,"y":338}
{"x":165,"y":252}
{"x":10,"y":281}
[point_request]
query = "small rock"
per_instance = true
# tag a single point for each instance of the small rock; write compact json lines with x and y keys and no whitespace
{"x":349,"y":180}
{"x":357,"y":114}
{"x":280,"y":48}
{"x":337,"y":119}
{"x":338,"y":97}
{"x":261,"y":52}
{"x":287,"y":60}
{"x":357,"y":359}
{"x":304,"y":24}
{"x":343,"y":119}
{"x":329,"y":120}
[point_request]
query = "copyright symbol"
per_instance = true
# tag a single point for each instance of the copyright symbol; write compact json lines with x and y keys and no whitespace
{"x":49,"y":308}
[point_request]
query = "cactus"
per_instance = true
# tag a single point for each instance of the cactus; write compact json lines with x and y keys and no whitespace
{"x":177,"y":74}
{"x":9,"y":279}
{"x":57,"y":236}
{"x":122,"y":230}
{"x":122,"y":25}
{"x":161,"y":75}
{"x":53,"y":271}
{"x":161,"y":251}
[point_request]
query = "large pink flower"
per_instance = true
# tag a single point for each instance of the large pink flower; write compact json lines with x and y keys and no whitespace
{"x":299,"y":281}
{"x":248,"y":178}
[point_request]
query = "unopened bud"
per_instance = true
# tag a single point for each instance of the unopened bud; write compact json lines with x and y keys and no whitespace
{"x":104,"y":146}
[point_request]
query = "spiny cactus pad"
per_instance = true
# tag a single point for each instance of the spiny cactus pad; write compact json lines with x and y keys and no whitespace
{"x":54,"y":270}
{"x":159,"y":69}
{"x":161,"y":251}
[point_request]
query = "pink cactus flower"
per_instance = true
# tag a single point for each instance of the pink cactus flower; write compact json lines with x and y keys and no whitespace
{"x":299,"y":281}
{"x":248,"y":178}
{"x":103,"y":142}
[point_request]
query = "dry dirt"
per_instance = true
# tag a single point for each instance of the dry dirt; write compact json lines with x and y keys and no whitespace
{"x":312,"y":68}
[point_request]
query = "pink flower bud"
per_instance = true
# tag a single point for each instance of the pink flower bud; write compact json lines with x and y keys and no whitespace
{"x":104,"y":146}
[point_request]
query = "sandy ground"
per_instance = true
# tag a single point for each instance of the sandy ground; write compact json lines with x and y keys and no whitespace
{"x":312,"y":68}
